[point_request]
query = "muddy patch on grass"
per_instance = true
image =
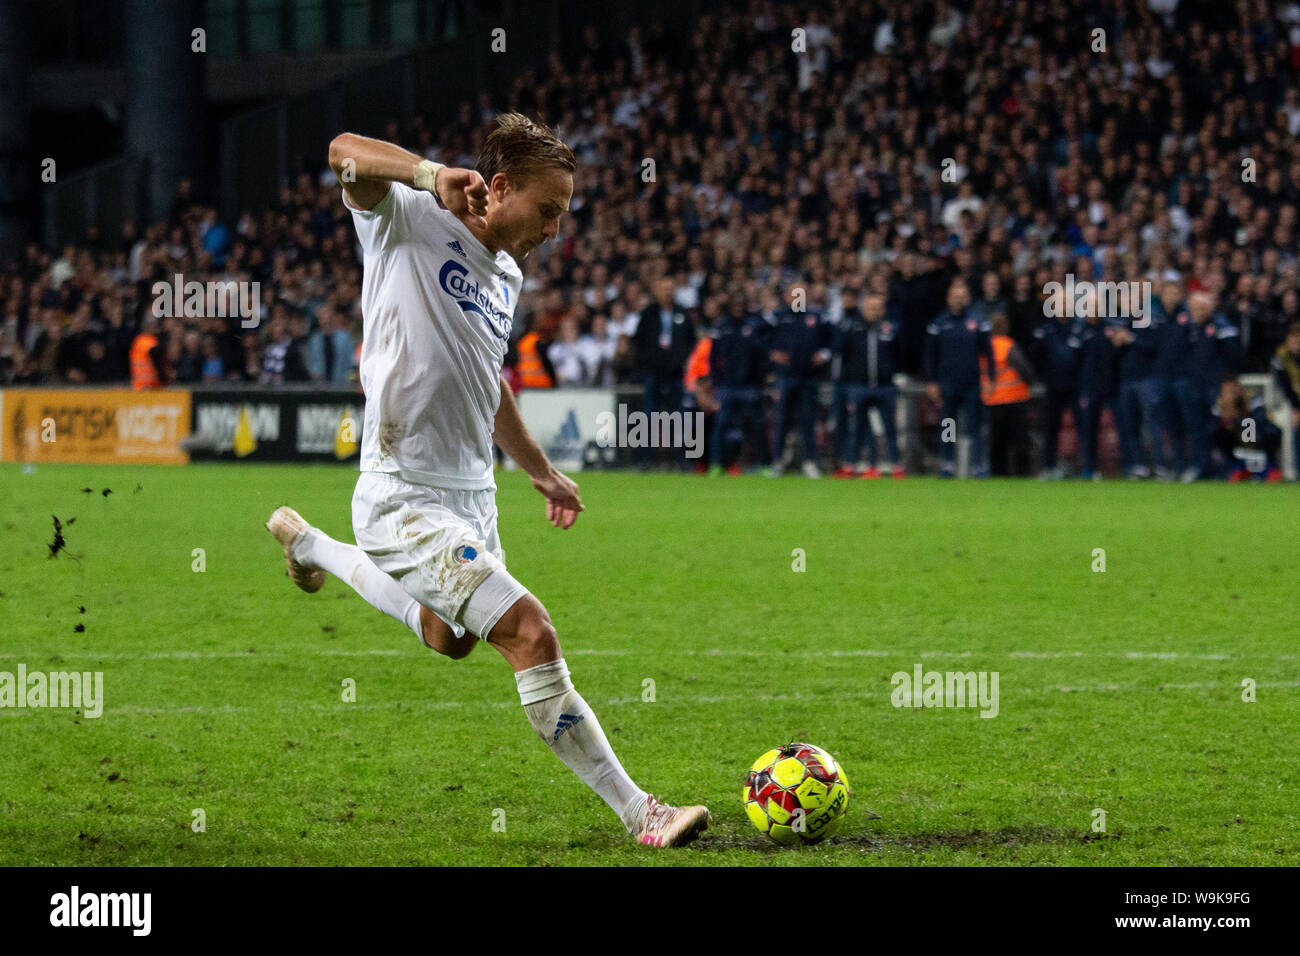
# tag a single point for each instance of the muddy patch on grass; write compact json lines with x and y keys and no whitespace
{"x":1006,"y":838}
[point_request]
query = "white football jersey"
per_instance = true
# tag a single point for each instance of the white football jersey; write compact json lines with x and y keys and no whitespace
{"x":437,"y":309}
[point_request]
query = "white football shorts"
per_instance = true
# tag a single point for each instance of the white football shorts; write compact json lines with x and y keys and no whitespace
{"x":440,"y":544}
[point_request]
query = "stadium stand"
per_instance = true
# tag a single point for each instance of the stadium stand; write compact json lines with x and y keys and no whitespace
{"x":1009,"y":144}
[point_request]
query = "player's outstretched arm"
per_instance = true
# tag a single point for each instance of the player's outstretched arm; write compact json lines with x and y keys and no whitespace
{"x":560,"y":491}
{"x":366,"y":166}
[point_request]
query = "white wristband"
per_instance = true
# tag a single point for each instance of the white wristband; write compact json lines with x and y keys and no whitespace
{"x":426,"y":176}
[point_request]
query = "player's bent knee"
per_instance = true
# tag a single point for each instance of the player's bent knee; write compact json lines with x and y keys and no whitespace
{"x":460,"y":647}
{"x":439,"y":636}
{"x":525,"y":634}
{"x":537,"y":633}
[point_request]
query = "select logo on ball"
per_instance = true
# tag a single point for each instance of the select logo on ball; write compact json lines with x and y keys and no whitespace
{"x":796,"y":794}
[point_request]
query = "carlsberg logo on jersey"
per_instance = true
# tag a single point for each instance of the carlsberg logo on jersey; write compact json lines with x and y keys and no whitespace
{"x":456,"y":282}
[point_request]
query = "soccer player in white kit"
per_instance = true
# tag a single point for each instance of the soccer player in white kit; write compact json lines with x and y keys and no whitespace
{"x":441,"y":280}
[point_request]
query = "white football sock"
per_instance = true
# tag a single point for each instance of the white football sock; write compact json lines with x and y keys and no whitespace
{"x":353,"y":567}
{"x":562,"y":718}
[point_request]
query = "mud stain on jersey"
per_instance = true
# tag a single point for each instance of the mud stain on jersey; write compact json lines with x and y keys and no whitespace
{"x":387,"y":436}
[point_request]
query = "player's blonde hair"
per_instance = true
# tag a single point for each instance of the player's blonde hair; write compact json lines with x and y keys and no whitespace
{"x":520,"y":147}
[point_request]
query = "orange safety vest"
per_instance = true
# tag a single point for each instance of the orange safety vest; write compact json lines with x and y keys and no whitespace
{"x":532,"y":373}
{"x":1007,"y":386}
{"x":143,"y":373}
{"x":697,"y":366}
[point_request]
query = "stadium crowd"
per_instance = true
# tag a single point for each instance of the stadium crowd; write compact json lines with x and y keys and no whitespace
{"x":778,"y":198}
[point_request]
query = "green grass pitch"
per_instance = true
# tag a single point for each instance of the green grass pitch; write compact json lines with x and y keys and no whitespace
{"x":1120,"y":690}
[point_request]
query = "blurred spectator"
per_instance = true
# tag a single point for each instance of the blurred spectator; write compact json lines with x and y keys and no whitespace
{"x":149,"y":367}
{"x":990,"y":303}
{"x":1215,"y":355}
{"x":1006,"y":396}
{"x":1176,"y":437}
{"x":1248,"y":444}
{"x":11,"y":353}
{"x":551,"y":315}
{"x":215,"y":237}
{"x":213,"y":369}
{"x":250,"y":361}
{"x":600,"y":347}
{"x":117,"y":338}
{"x":800,"y":354}
{"x":1140,"y":402}
{"x":664,"y":339}
{"x":1286,"y":371}
{"x":1100,"y":342}
{"x":330,"y":348}
{"x":698,"y":397}
{"x":571,"y":360}
{"x":282,"y":361}
{"x":1057,"y":343}
{"x":188,"y":364}
{"x":737,"y":369}
{"x":96,"y":368}
{"x":956,"y":343}
{"x":866,"y":353}
{"x":71,"y":361}
{"x":533,"y":361}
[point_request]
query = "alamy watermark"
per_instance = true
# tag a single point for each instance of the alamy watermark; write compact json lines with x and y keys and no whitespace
{"x":1083,"y":299}
{"x":197,"y":300}
{"x":651,"y":430}
{"x":946,"y":689}
{"x":75,"y":908}
{"x":84,"y":690}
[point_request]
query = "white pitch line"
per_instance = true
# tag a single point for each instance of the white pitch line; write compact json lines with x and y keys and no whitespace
{"x":341,"y":707}
{"x":1171,"y":655}
{"x":200,"y":655}
{"x":1045,"y":654}
{"x":1135,"y":655}
{"x":626,"y":652}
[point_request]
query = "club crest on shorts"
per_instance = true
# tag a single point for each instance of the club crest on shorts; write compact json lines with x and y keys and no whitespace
{"x":465,"y":554}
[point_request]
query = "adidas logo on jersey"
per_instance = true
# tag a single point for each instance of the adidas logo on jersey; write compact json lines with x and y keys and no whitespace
{"x":455,"y":247}
{"x":564,"y":723}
